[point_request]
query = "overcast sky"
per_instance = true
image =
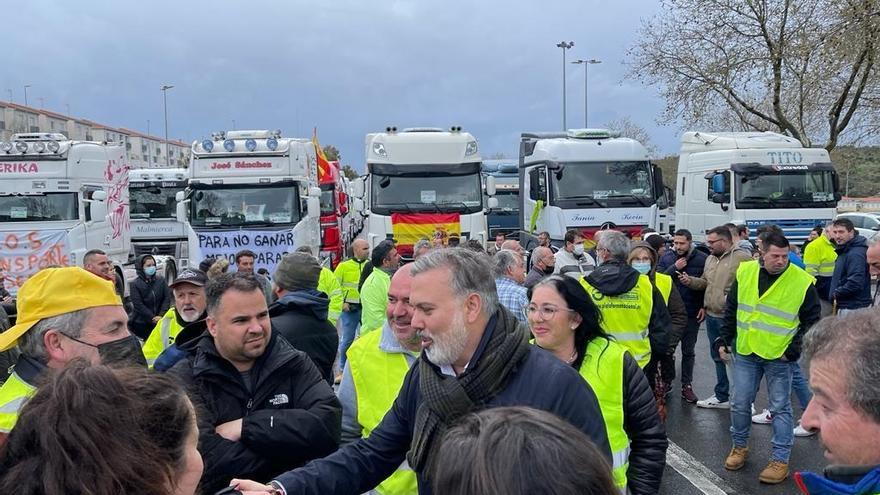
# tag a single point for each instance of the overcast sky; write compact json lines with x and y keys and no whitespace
{"x":346,"y":66}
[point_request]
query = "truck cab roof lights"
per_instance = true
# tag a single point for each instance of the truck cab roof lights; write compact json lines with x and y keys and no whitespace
{"x":229,"y":145}
{"x":422,"y":129}
{"x":6,"y":147}
{"x":591,"y":134}
{"x":38,"y":136}
{"x":21,"y":146}
{"x":471,"y":148}
{"x":250,"y":144}
{"x":53,"y":146}
{"x":379,"y":149}
{"x":455,"y":128}
{"x":39,"y":146}
{"x":272,"y":143}
{"x":208,"y":145}
{"x":391,"y":129}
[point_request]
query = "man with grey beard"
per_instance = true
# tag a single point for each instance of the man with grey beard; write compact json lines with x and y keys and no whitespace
{"x":189,"y":307}
{"x":473,"y":356}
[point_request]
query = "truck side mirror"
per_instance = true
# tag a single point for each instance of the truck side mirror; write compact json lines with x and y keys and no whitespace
{"x":358,"y":205}
{"x":313,"y":207}
{"x":182,"y":206}
{"x":357,"y":188}
{"x":719,"y":184}
{"x":99,"y":195}
{"x":658,"y":181}
{"x":492,"y":202}
{"x":179,"y":196}
{"x":490,"y":186}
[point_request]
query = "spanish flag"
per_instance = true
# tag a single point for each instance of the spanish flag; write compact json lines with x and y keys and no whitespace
{"x":323,"y":163}
{"x":408,"y":228}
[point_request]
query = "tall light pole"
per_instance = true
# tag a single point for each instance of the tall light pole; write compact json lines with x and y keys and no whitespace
{"x":165,"y":88}
{"x":586,"y":64}
{"x":26,"y":86}
{"x":565,"y":46}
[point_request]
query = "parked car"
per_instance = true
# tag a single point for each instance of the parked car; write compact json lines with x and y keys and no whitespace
{"x":867,"y":224}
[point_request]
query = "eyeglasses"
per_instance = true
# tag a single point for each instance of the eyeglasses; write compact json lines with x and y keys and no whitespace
{"x":546,"y":312}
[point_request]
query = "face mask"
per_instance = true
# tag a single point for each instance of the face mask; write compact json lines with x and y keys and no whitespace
{"x":119,"y":353}
{"x":150,"y":271}
{"x":548,"y":270}
{"x":642,"y":267}
{"x":578,"y":249}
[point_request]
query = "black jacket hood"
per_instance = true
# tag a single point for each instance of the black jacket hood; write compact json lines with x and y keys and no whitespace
{"x":613,"y":278}
{"x":139,"y":266}
{"x":310,"y":301}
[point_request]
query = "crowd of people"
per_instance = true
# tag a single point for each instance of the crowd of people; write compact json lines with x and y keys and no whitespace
{"x":466,"y":371}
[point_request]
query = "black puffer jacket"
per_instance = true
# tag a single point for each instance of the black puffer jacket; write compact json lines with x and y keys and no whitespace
{"x":150,"y":296}
{"x":290,"y":413}
{"x":301,"y":318}
{"x":642,"y":424}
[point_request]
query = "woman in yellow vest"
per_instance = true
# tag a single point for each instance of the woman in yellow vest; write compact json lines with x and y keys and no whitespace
{"x":643,"y":258}
{"x":566,"y":322}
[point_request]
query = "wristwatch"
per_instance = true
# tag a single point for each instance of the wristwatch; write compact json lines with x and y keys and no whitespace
{"x":277,"y":489}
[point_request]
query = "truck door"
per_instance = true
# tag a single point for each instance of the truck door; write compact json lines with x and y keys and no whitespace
{"x":534,"y":190}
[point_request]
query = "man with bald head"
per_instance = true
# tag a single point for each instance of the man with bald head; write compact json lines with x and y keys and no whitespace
{"x":349,"y":275}
{"x":543,"y":262}
{"x":377,"y":364}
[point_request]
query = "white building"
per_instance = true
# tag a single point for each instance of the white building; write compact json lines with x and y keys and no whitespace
{"x":144,"y":151}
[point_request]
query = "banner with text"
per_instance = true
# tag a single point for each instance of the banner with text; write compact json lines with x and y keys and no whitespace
{"x":23,"y":253}
{"x":268,"y":245}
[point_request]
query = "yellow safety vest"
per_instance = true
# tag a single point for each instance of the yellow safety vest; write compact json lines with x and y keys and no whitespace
{"x":162,"y":336}
{"x":767,"y":324}
{"x":13,"y":394}
{"x":602,"y":368}
{"x":377,"y":376}
{"x":348,"y":273}
{"x":328,"y":284}
{"x":627,"y":316}
{"x":664,"y":285}
{"x":819,"y":257}
{"x":374,"y":299}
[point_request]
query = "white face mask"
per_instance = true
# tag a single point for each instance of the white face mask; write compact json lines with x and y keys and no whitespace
{"x":578,"y":249}
{"x":642,"y":267}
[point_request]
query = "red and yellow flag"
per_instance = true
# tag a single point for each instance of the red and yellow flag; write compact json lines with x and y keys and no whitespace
{"x":323,"y":163}
{"x":408,"y":228}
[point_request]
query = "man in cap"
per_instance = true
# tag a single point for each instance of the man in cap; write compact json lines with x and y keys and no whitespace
{"x":300,"y":313}
{"x":63,"y":314}
{"x":189,"y":307}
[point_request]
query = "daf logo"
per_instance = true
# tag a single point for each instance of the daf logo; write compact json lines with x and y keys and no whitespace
{"x":607,"y":226}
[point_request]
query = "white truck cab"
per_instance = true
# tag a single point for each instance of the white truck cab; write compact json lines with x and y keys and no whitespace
{"x":154,"y":226}
{"x":423,"y":182}
{"x":252,"y":190}
{"x":753,"y":178}
{"x":59,"y":199}
{"x":588,"y":180}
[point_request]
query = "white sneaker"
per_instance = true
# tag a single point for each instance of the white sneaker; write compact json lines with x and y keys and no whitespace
{"x":713,"y":403}
{"x":800,"y":431}
{"x":765,"y":418}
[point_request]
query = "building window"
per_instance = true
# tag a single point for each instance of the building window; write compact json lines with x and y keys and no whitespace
{"x":146,"y":158}
{"x":35,"y":128}
{"x":2,"y":125}
{"x":128,"y":146}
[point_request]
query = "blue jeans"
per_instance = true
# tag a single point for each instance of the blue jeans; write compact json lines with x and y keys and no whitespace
{"x":722,"y":384}
{"x":799,"y":386}
{"x":747,"y":374}
{"x":351,"y":320}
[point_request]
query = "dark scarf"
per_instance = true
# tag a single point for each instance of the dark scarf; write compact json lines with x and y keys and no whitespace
{"x":445,"y":399}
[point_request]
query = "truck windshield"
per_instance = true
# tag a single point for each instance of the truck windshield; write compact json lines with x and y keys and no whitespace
{"x":152,"y":201}
{"x":328,"y":199}
{"x":447,"y":194}
{"x":794,"y":189}
{"x":508,"y":201}
{"x":603,"y":184}
{"x":39,"y":207}
{"x":239,"y":206}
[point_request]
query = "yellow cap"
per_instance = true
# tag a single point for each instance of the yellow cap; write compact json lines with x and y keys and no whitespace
{"x":56,"y":291}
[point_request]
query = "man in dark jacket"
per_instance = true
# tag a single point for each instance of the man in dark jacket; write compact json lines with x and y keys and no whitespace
{"x":683,"y":258}
{"x":300,"y":313}
{"x":851,"y":284}
{"x":475,"y":355}
{"x":150,"y":297}
{"x":264,"y":408}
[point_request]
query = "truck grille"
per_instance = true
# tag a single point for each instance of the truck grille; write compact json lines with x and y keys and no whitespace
{"x":166,"y":249}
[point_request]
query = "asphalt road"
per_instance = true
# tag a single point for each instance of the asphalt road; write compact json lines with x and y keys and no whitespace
{"x":700,"y":440}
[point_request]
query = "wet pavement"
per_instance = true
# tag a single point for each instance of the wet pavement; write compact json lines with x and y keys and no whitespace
{"x":700,"y":440}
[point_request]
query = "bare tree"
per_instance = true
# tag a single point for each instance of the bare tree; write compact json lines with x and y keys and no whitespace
{"x":332,"y":153}
{"x":629,"y":129}
{"x":806,"y":68}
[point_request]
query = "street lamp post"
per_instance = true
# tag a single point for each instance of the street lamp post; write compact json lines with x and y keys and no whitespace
{"x":165,"y":88}
{"x":26,"y":86}
{"x":586,"y":64}
{"x":565,"y":46}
